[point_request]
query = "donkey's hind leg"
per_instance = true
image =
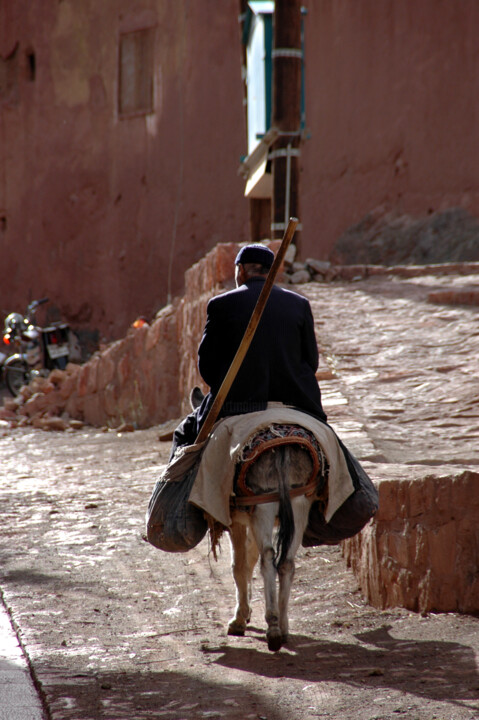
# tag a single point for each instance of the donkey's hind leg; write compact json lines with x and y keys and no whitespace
{"x":263,"y":523}
{"x":245,"y":556}
{"x":286,"y":570}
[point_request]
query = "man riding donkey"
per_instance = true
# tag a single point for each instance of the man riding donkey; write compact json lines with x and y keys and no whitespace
{"x":282,"y":360}
{"x":272,"y":459}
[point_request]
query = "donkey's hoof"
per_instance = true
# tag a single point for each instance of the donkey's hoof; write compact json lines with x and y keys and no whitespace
{"x":275,"y":640}
{"x":235,"y":628}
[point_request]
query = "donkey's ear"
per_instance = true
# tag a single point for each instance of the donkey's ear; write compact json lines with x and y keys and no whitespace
{"x":196,"y":397}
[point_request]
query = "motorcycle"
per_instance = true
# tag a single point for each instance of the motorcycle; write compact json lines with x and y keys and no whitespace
{"x":36,"y":351}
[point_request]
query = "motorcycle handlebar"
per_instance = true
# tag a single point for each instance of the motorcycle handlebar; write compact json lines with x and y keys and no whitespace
{"x":36,"y":303}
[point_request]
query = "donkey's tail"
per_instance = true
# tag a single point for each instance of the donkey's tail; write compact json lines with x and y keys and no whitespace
{"x":285,"y":512}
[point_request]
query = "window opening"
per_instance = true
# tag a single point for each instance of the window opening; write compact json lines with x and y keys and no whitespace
{"x":31,"y":65}
{"x":136,"y":73}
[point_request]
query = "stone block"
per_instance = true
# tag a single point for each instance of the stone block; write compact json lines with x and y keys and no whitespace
{"x":426,"y":559}
{"x":26,"y":391}
{"x":110,"y":400}
{"x":465,"y":490}
{"x":224,"y":268}
{"x":442,"y":550}
{"x":300,"y":277}
{"x":83,"y":380}
{"x":139,"y":340}
{"x":420,"y":545}
{"x":36,"y":422}
{"x":130,"y":404}
{"x":320,"y":267}
{"x":57,"y":376}
{"x":106,"y":369}
{"x":454,"y":297}
{"x":53,"y":422}
{"x":72,"y":368}
{"x":398,"y":547}
{"x":11,"y":404}
{"x":36,"y":404}
{"x":402,"y":497}
{"x":7,"y":414}
{"x":350,"y":272}
{"x":417,"y":500}
{"x":74,"y":406}
{"x":162,"y":332}
{"x":387,"y":501}
{"x":92,"y":378}
{"x":443,"y":507}
{"x":153,"y":334}
{"x":93,"y":410}
{"x":124,"y":369}
{"x":68,"y":386}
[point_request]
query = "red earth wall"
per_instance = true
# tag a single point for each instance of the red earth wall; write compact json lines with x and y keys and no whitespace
{"x":104,"y":215}
{"x":100,"y":212}
{"x":390,"y":108}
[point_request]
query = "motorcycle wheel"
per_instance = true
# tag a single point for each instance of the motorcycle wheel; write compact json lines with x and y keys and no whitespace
{"x":16,"y":376}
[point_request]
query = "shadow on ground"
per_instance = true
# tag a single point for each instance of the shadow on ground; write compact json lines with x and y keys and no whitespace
{"x":430,"y":669}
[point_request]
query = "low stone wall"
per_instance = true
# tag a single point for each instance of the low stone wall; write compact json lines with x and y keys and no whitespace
{"x":421,"y":551}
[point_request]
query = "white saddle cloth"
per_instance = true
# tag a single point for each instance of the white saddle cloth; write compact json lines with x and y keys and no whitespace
{"x":213,"y":486}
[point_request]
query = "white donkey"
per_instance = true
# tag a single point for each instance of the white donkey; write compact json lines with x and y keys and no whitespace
{"x":276,"y":489}
{"x":282,"y":472}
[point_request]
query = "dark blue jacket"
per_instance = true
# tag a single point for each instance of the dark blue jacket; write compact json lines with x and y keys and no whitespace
{"x":281,"y":362}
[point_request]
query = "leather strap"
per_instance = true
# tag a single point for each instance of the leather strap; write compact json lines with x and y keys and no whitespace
{"x":243,"y":500}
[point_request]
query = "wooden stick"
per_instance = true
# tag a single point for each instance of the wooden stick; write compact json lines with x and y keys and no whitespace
{"x":249,"y":333}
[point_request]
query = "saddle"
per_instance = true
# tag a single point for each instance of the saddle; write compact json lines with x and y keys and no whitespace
{"x":269,"y":438}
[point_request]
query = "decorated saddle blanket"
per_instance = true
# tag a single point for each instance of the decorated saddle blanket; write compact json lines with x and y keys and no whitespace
{"x":229,"y":442}
{"x":272,"y":437}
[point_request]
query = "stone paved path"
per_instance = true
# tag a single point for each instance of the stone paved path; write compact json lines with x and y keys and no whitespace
{"x":407,"y":368}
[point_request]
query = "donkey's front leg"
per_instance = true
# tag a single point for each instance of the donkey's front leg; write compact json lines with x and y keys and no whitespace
{"x":245,"y":556}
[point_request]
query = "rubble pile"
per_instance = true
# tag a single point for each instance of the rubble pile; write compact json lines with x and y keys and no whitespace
{"x":42,"y":403}
{"x":382,"y":238}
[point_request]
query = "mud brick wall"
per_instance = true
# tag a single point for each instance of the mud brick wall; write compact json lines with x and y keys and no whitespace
{"x":421,"y":551}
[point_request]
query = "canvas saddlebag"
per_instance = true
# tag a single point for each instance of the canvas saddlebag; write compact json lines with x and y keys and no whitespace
{"x":353,"y":514}
{"x":173,"y":524}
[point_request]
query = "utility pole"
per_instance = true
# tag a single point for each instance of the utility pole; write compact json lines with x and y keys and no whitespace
{"x":286,"y":116}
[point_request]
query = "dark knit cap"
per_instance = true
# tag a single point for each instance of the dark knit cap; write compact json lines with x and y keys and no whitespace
{"x":258,"y":254}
